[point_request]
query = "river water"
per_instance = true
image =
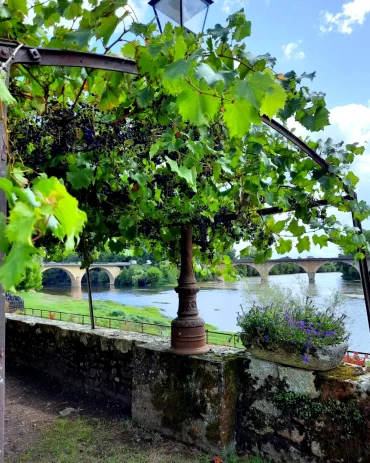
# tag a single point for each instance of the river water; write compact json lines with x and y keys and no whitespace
{"x":219,"y":303}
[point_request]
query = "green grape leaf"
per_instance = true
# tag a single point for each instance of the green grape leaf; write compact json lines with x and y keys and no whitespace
{"x":295,"y":229}
{"x":351,"y":179}
{"x":15,"y":264}
{"x":273,"y":101}
{"x":239,"y":116}
{"x":263,"y":255}
{"x":219,"y":32}
{"x":360,"y":210}
{"x":242,"y":31}
{"x":196,"y":107}
{"x":174,"y":74}
{"x":303,"y":243}
{"x":188,"y":174}
{"x":81,"y":38}
{"x":145,"y":97}
{"x":17,"y":173}
{"x":107,"y":27}
{"x":110,"y":98}
{"x":5,"y":95}
{"x":22,"y":219}
{"x":314,"y":119}
{"x":283,"y":246}
{"x":128,"y":227}
{"x":276,"y":227}
{"x":73,"y":10}
{"x":80,"y":178}
{"x":7,"y":187}
{"x":321,"y":240}
{"x":65,"y":209}
{"x":254,"y":88}
{"x":18,"y":5}
{"x":4,"y":243}
{"x":129,"y":50}
{"x":180,"y":48}
{"x":5,"y":12}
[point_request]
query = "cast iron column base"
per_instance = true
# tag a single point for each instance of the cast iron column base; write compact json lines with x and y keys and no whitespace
{"x":188,"y":335}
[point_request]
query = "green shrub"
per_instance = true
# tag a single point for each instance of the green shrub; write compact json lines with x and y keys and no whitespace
{"x":143,"y":275}
{"x":117,"y":313}
{"x":154,"y":276}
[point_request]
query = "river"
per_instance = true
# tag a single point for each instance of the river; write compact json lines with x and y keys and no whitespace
{"x":219,"y":303}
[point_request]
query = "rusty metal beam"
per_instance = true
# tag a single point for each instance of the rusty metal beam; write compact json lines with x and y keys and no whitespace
{"x":296,"y":141}
{"x":53,"y":57}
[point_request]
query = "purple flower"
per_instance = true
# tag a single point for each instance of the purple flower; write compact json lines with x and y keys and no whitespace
{"x":305,"y":358}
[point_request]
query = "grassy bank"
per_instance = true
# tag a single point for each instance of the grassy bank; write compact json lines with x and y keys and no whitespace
{"x":108,"y":314}
{"x":96,"y":441}
{"x":101,"y":308}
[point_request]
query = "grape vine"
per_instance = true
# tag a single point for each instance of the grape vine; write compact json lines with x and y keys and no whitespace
{"x":181,"y":141}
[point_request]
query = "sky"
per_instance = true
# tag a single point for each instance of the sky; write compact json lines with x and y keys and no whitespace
{"x":331,"y":37}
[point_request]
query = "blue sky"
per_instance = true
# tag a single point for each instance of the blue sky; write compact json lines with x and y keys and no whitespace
{"x":297,"y":33}
{"x":331,"y":37}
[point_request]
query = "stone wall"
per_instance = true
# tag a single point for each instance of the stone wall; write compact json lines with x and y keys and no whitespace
{"x":224,"y":399}
{"x":96,"y":362}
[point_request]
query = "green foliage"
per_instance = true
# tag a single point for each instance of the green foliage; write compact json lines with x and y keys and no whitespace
{"x":154,"y":276}
{"x":345,"y":412}
{"x":182,"y":141}
{"x":146,"y":275}
{"x":32,"y":278}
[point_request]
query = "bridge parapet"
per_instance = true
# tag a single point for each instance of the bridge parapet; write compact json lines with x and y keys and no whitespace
{"x":310,"y":265}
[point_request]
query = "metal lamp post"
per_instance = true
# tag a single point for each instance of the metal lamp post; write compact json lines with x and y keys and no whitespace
{"x":182,"y":12}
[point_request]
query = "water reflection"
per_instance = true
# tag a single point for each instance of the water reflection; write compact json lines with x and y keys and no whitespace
{"x":220,"y":302}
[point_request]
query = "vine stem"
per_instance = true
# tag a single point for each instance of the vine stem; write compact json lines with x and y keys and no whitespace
{"x":6,"y":131}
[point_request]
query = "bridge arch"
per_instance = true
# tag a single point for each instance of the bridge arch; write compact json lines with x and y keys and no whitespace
{"x":280,"y":263}
{"x":250,"y":265}
{"x":70,"y":274}
{"x":352,"y":264}
{"x":106,"y":270}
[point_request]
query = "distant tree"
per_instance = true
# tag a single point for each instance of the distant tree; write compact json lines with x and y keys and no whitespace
{"x":32,"y":278}
{"x":348,"y":271}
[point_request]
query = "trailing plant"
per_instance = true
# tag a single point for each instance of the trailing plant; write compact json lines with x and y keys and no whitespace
{"x":182,"y":141}
{"x":307,"y":408}
{"x":299,"y":330}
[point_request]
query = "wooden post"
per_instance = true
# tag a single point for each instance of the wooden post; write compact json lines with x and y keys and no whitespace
{"x":188,"y":336}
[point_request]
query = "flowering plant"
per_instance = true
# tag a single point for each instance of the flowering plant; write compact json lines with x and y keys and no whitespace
{"x":296,"y":329}
{"x":356,"y":359}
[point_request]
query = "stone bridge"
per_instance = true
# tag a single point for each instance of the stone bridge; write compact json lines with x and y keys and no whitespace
{"x":309,"y":265}
{"x":76,"y":274}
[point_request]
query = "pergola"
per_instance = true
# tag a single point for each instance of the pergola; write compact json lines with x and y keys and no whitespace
{"x":187,"y":331}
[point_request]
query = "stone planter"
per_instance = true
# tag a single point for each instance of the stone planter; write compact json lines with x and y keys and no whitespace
{"x":325,"y":358}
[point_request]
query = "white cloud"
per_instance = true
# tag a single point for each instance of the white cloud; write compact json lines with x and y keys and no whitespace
{"x":352,"y":13}
{"x":230,"y":6}
{"x":291,"y":50}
